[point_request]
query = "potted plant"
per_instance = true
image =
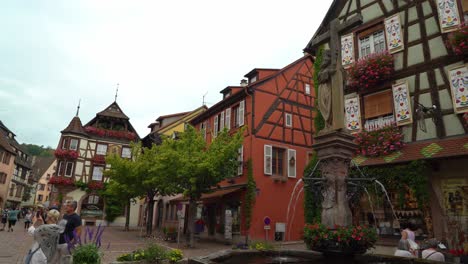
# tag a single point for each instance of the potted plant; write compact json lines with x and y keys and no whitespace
{"x":457,"y":41}
{"x":379,"y":142}
{"x":369,"y":71}
{"x":86,"y":254}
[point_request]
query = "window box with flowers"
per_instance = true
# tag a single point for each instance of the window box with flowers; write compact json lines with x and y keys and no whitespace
{"x":110,"y":133}
{"x":95,"y":185}
{"x":379,"y":142}
{"x":99,"y":159}
{"x":65,"y":181}
{"x":351,"y":239}
{"x":370,"y":71}
{"x":457,"y":41}
{"x":66,"y":154}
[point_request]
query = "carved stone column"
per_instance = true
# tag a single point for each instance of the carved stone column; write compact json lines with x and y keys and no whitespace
{"x":335,"y":150}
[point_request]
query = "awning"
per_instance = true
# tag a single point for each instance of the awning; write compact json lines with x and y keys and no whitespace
{"x":217,"y":193}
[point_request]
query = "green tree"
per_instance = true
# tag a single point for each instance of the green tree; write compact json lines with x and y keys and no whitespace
{"x":191,"y":166}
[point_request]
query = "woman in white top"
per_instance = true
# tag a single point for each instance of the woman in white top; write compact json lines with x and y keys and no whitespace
{"x":408,"y":232}
{"x":45,"y":239}
{"x":431,"y":253}
{"x":403,"y":249}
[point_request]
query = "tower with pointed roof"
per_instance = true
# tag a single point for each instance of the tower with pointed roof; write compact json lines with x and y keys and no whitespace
{"x":80,"y":157}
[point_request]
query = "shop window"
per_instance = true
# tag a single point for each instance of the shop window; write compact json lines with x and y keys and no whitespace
{"x":97,"y":173}
{"x":101,"y":149}
{"x":378,"y":110}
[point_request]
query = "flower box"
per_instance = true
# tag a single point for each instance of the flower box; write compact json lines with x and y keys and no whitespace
{"x":371,"y":70}
{"x":457,"y":41}
{"x":99,"y":159}
{"x":351,"y":239}
{"x":95,"y":185}
{"x":61,"y":181}
{"x":110,"y":133}
{"x":66,"y":154}
{"x":379,"y":142}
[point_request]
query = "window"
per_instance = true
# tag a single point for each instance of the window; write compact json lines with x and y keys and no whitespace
{"x":19,"y":190}
{"x":41,"y":187}
{"x":6,"y":158}
{"x":101,"y":149}
{"x":228,"y":119}
{"x":378,"y":110}
{"x":240,"y":159}
{"x":278,"y":158}
{"x":203,"y":129}
{"x":373,"y":42}
{"x":126,"y":152}
{"x":74,"y":144}
{"x":48,"y":176}
{"x":65,"y":143}
{"x":3,"y":177}
{"x":97,"y":173}
{"x":307,"y":88}
{"x":39,"y":197}
{"x":69,"y":169}
{"x":253,"y":79}
{"x":215,"y":126}
{"x":238,"y":114}
{"x":61,"y":168}
{"x":288,"y":118}
{"x":12,"y":189}
{"x":93,"y":199}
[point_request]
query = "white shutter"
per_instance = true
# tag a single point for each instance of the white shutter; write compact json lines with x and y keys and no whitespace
{"x":241,"y":112}
{"x":401,"y":104}
{"x":449,"y":18}
{"x":215,"y":127}
{"x":292,"y":163}
{"x":353,"y":114}
{"x":228,"y":119}
{"x":347,"y":50}
{"x":267,"y":164}
{"x":393,"y":33}
{"x":241,"y":161}
{"x":221,"y":122}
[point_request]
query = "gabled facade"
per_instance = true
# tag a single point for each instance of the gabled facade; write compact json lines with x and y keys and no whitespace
{"x":275,"y":106}
{"x":80,"y":155}
{"x":44,"y":169}
{"x":424,"y":94}
{"x":22,"y":180}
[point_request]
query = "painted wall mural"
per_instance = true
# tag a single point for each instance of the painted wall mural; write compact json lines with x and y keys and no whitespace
{"x":347,"y":50}
{"x":402,"y":104}
{"x":353,"y":114}
{"x":459,"y":87}
{"x":449,"y":17}
{"x":394,"y":35}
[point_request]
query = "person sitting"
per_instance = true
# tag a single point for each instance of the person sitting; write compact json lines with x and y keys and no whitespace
{"x":403,"y":249}
{"x":46,"y":237}
{"x":431,"y":253}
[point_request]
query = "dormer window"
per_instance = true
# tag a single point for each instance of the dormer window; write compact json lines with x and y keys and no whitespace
{"x":253,"y":79}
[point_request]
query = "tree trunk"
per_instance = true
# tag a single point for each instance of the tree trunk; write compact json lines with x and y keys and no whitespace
{"x":191,"y":222}
{"x":127,"y":216}
{"x":149,"y":217}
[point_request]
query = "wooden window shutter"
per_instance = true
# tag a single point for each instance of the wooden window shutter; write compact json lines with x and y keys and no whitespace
{"x":240,"y":168}
{"x":347,"y":50}
{"x":215,"y":126}
{"x":378,"y":104}
{"x":394,"y":34}
{"x":267,"y":159}
{"x":221,"y":122}
{"x":292,"y":163}
{"x":228,"y":119}
{"x":241,"y":112}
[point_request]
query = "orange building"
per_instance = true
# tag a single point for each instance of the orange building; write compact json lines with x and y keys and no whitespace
{"x":276,"y":107}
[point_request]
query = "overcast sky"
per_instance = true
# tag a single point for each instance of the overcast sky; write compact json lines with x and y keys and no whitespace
{"x":164,"y":54}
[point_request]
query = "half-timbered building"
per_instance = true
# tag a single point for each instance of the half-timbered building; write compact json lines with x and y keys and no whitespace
{"x":405,"y":77}
{"x":275,"y":106}
{"x":80,"y":155}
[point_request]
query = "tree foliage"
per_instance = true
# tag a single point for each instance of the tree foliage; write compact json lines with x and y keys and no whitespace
{"x":35,"y":150}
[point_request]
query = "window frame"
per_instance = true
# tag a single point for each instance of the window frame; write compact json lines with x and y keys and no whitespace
{"x":366,"y":31}
{"x":97,"y":148}
{"x":288,"y":116}
{"x":307,"y":88}
{"x":77,"y":143}
{"x":279,"y":165}
{"x":102,"y":173}
{"x":71,"y":169}
{"x":129,"y":151}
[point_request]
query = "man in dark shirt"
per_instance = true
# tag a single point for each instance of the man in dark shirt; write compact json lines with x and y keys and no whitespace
{"x":73,"y":224}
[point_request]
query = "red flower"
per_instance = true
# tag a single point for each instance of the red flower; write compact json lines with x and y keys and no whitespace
{"x":66,"y":154}
{"x":370,"y":70}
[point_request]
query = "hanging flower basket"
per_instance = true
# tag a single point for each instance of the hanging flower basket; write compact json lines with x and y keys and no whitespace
{"x":371,"y":70}
{"x":110,"y":133}
{"x":350,"y":239}
{"x":65,"y":181}
{"x":457,"y":41}
{"x":379,"y":142}
{"x":66,"y":154}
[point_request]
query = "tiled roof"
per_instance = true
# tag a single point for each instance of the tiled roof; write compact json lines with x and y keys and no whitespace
{"x":41,"y":164}
{"x":113,"y":110}
{"x":5,"y":145}
{"x":431,"y":149}
{"x":75,"y":126}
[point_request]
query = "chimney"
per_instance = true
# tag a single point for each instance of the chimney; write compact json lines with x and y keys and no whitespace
{"x":243,"y":83}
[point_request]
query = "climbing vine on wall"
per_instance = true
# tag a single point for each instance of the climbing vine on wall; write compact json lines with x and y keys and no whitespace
{"x":250,"y":195}
{"x":319,"y":122}
{"x":312,"y":200}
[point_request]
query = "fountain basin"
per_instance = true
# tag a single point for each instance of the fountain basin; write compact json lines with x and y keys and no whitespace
{"x":297,"y":257}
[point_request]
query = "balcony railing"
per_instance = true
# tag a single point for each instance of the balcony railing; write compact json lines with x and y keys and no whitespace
{"x":19,"y":179}
{"x":379,"y":123}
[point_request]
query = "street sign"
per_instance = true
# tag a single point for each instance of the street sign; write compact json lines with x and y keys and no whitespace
{"x":267,"y":227}
{"x":266,"y":220}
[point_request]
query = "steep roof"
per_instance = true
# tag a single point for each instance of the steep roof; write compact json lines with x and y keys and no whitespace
{"x":75,"y":126}
{"x":5,"y":145}
{"x":113,"y":110}
{"x":41,"y":164}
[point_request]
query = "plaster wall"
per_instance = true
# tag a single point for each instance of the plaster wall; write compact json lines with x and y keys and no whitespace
{"x":4,"y":187}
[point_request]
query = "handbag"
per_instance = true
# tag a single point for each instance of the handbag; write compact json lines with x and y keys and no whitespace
{"x":30,"y":255}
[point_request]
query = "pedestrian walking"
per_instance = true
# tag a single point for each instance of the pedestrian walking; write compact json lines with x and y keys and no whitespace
{"x":27,"y":219}
{"x":4,"y":218}
{"x":431,"y":252}
{"x":46,"y":237}
{"x":72,"y":226}
{"x":12,"y":218}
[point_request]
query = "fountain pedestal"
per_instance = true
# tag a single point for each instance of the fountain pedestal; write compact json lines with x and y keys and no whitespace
{"x":334,"y":150}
